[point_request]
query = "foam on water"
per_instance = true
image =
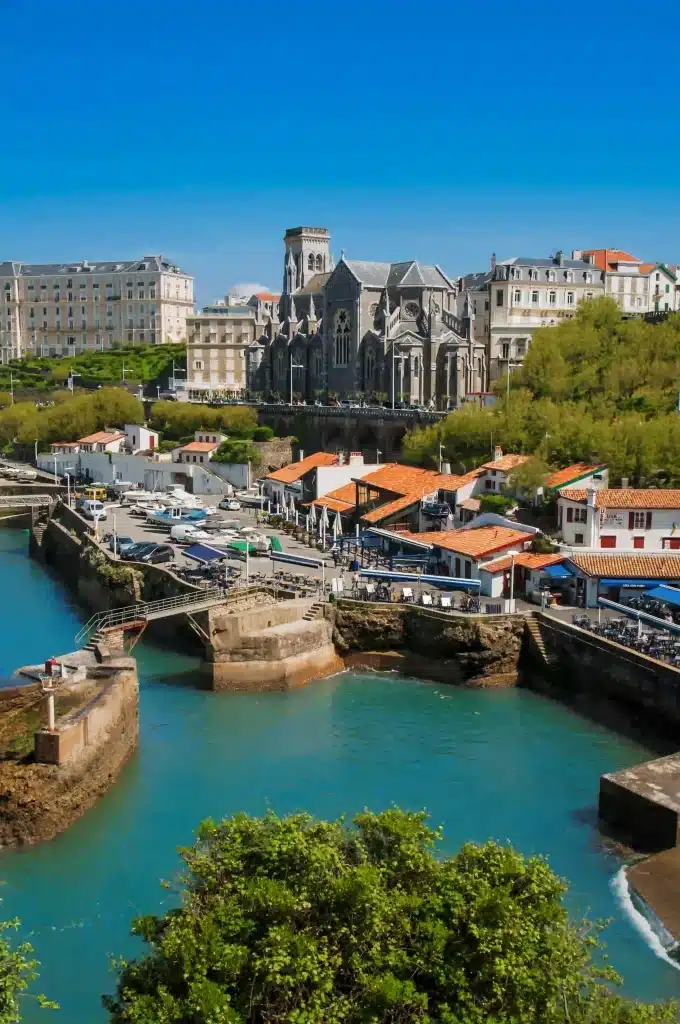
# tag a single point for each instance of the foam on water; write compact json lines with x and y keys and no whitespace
{"x":648,"y":926}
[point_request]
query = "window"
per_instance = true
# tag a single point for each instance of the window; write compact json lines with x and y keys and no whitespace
{"x":468,"y":570}
{"x":640,"y":520}
{"x":129,"y":293}
{"x":588,"y":277}
{"x":570,"y":298}
{"x":198,"y":365}
{"x":521,"y":347}
{"x":589,"y":295}
{"x":552,"y":298}
{"x":319,"y":262}
{"x":71,"y":341}
{"x":533,"y":275}
{"x":342,"y":338}
{"x":499,"y":296}
{"x":551,"y":275}
{"x":638,"y":542}
{"x":608,"y":542}
{"x":668,"y":288}
{"x":130,"y":336}
{"x":534,"y":298}
{"x":505,"y":350}
{"x":518,"y":296}
{"x":310,"y":261}
{"x":578,"y":538}
{"x":671,"y":543}
{"x":489,"y":485}
{"x":569,"y":276}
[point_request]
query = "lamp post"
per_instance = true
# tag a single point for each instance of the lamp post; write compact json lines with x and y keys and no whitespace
{"x":67,"y":473}
{"x":293,"y":366}
{"x":441,"y":456}
{"x":11,"y":388}
{"x":513,"y":555}
{"x":35,"y":449}
{"x":70,"y":379}
{"x":55,"y":468}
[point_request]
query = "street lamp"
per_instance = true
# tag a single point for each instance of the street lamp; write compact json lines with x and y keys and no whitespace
{"x":293,"y":366}
{"x":441,"y":456}
{"x":11,"y":388}
{"x":158,"y":390}
{"x":70,"y":379}
{"x":35,"y":449}
{"x":513,"y":555}
{"x":67,"y":473}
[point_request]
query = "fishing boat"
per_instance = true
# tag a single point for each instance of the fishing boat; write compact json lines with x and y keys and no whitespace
{"x":172,"y":516}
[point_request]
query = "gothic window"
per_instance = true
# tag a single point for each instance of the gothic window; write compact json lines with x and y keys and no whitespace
{"x":319,"y":262}
{"x":370,"y":367}
{"x":342,"y":338}
{"x":412,"y":309}
{"x":310,"y":261}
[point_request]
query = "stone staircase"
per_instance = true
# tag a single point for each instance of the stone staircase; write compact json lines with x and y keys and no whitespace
{"x":545,"y":656}
{"x":314,"y":612}
{"x":105,"y":642}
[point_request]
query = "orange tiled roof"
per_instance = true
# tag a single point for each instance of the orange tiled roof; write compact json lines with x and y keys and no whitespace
{"x":605,"y":258}
{"x":626,"y":497}
{"x":656,"y":567}
{"x":476,"y":543}
{"x":101,"y":437}
{"x":407,"y":484}
{"x":564,"y":476}
{"x":646,"y":267}
{"x":376,"y":515}
{"x":268,"y":296}
{"x":506,"y":462}
{"x":527,"y":558}
{"x":64,"y":444}
{"x":200,"y":446}
{"x":295,"y":470}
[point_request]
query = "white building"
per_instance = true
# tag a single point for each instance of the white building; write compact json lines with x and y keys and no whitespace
{"x":55,"y":309}
{"x":623,"y":519}
{"x":636,"y":286}
{"x":153,"y":473}
{"x":140,"y":439}
{"x":515,"y":297}
{"x":102,"y":441}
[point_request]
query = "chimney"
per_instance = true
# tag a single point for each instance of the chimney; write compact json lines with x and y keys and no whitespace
{"x":497,"y":453}
{"x":493,"y":261}
{"x":577,"y":254}
{"x":591,"y":497}
{"x":341,"y":459}
{"x":559,"y":258}
{"x":446,"y":468}
{"x":356,"y":459}
{"x":301,"y":455}
{"x":624,"y":481}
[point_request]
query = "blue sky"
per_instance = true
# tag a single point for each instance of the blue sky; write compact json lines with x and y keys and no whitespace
{"x":441,"y":131}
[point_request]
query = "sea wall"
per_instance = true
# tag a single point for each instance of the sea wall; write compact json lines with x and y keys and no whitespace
{"x":470,"y":650}
{"x":593,"y":666}
{"x":76,"y":764}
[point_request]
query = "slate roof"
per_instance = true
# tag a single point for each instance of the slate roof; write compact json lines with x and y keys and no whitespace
{"x":295,"y":470}
{"x":661,"y":566}
{"x":410,"y":273}
{"x":626,"y":497}
{"x":15,"y":268}
{"x":538,"y":261}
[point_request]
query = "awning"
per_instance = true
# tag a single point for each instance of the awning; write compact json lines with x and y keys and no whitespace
{"x":642,"y":584}
{"x":557,"y":571}
{"x":203,"y":553}
{"x":669,"y":595}
{"x":445,"y":582}
{"x":398,"y":538}
{"x":310,"y":563}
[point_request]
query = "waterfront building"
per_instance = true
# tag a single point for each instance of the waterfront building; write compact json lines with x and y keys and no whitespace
{"x":139,"y":438}
{"x":201,"y":449}
{"x":636,"y":286}
{"x":515,"y":297}
{"x":463,"y":553}
{"x":155,"y":472}
{"x":102,"y":441}
{"x":57,"y":309}
{"x":623,"y":518}
{"x":313,"y":476}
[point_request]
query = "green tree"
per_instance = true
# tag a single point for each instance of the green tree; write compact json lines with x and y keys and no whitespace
{"x":308,"y":922}
{"x":18,"y":969}
{"x":528,"y":476}
{"x":235,"y":450}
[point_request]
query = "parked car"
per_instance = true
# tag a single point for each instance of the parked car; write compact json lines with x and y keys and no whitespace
{"x":121,"y":543}
{"x":89,"y":509}
{"x":135,"y":551}
{"x":230,"y":505}
{"x":159,"y":553}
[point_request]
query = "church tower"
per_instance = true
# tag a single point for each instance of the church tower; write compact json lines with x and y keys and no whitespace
{"x":307,"y":253}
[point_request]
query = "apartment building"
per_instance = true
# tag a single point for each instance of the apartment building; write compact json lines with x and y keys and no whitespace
{"x":636,"y":286}
{"x":218,"y":339}
{"x":55,"y":309}
{"x":507,"y":303}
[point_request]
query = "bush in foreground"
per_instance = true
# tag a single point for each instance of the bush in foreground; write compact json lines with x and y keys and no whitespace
{"x":297,"y":921}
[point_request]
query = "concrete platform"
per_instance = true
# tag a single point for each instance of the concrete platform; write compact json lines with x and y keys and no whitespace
{"x":657,"y":881}
{"x":642,"y":804}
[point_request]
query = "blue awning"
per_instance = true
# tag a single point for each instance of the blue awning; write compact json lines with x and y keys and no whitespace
{"x":642,"y":584}
{"x":445,"y":582}
{"x":557,"y":571}
{"x":669,"y":595}
{"x":203,"y":553}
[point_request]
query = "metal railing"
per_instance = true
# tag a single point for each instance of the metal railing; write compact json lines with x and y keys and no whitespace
{"x":25,"y":500}
{"x":150,"y":610}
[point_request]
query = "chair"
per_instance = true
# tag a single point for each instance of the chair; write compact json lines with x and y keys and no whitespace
{"x":427,"y":600}
{"x":407,"y":594}
{"x":446,"y":602}
{"x":370,"y":591}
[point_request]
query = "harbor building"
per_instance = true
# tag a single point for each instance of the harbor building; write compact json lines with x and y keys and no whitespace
{"x":58,"y":309}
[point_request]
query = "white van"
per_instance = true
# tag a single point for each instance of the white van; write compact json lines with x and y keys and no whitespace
{"x":90,"y":509}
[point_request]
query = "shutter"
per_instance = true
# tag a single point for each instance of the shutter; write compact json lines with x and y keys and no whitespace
{"x":570,"y":515}
{"x":631,"y":520}
{"x":648,"y":522}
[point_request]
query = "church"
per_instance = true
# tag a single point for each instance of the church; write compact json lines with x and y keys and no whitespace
{"x":361,"y":330}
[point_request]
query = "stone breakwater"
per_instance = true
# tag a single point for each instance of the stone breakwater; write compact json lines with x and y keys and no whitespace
{"x":470,"y":651}
{"x":71,"y":767}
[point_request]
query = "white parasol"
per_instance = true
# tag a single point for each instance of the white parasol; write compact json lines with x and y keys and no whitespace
{"x":337,"y":526}
{"x":312,"y":515}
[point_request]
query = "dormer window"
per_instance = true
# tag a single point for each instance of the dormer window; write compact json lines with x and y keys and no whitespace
{"x":551,"y":275}
{"x":588,"y":277}
{"x":533,"y":274}
{"x":569,"y":276}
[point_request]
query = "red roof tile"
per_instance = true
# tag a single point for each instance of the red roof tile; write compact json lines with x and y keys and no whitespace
{"x":604,"y":259}
{"x":655,"y":567}
{"x":506,"y":463}
{"x":200,"y":446}
{"x":101,"y":437}
{"x":625,"y":497}
{"x":476,"y":543}
{"x":569,"y":473}
{"x":527,"y":558}
{"x":295,"y":470}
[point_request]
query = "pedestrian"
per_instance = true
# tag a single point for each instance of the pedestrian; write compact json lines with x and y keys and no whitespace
{"x":335,"y":553}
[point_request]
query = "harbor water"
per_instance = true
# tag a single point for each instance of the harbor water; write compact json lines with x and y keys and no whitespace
{"x":506,"y":764}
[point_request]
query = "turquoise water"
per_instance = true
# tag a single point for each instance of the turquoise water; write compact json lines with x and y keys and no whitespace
{"x":504,"y":764}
